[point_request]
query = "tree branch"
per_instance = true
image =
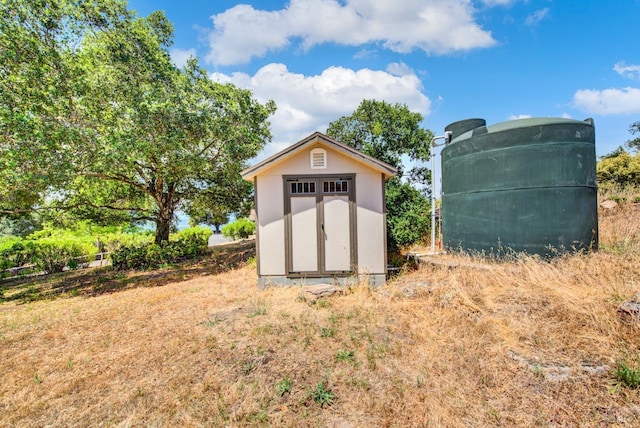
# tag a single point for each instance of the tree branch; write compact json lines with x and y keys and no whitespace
{"x":120,"y":179}
{"x":146,"y":216}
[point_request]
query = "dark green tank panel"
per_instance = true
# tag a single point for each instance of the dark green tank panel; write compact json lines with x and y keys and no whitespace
{"x":524,"y":185}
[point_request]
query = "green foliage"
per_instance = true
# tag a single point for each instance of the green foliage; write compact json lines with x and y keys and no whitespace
{"x":188,"y":244}
{"x":20,"y":225}
{"x":53,"y":254}
{"x":241,"y":228}
{"x":408,"y":214}
{"x":389,"y":133}
{"x":384,"y":131}
{"x":322,"y":395}
{"x":14,"y":252}
{"x":41,"y":83}
{"x":50,"y":254}
{"x":344,"y":355}
{"x":619,"y":169}
{"x":284,"y":386}
{"x":197,"y":233}
{"x":627,"y":376}
{"x":213,"y":207}
{"x":6,"y":242}
{"x":96,"y":120}
{"x":53,"y":249}
{"x":118,"y":240}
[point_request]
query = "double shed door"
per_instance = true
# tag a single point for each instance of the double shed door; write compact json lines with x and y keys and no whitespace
{"x":320,"y":217}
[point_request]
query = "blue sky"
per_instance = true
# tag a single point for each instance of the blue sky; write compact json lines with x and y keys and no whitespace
{"x":447,"y":59}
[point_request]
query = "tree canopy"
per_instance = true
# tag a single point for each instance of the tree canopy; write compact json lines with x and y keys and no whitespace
{"x":96,"y":119}
{"x":619,"y":169}
{"x":390,"y":133}
{"x":387,"y":132}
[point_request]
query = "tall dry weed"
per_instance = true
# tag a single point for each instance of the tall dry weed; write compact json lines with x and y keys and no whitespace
{"x":459,"y":342}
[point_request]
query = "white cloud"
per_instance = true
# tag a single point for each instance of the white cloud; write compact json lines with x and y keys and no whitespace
{"x":180,"y":56}
{"x":566,"y":116}
{"x":366,"y":53}
{"x":308,"y":103}
{"x":399,"y":69}
{"x":520,"y":116}
{"x":435,"y":26}
{"x":536,"y":17}
{"x":492,"y":3}
{"x":608,"y":101}
{"x":628,"y":71}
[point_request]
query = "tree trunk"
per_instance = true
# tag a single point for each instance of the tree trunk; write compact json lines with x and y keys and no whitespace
{"x":166,"y":204}
{"x":163,"y":226}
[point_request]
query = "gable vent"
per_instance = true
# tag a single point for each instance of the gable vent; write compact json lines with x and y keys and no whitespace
{"x":318,"y":159}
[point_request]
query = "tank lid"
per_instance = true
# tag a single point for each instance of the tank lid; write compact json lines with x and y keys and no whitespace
{"x":522,"y":123}
{"x":535,"y":121}
{"x":460,"y":127}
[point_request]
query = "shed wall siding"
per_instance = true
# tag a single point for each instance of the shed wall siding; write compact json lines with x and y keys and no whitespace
{"x":370,"y":223}
{"x":270,"y":201}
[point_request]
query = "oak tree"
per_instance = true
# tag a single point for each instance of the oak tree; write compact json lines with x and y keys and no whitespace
{"x":391,"y":132}
{"x":100,"y":122}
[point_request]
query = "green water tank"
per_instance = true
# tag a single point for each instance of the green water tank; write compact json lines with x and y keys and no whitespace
{"x":526,"y":185}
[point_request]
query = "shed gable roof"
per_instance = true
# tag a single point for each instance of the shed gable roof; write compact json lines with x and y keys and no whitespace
{"x":323,"y":140}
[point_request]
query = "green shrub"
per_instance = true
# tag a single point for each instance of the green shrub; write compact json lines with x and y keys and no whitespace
{"x":54,"y":249}
{"x":6,"y":242}
{"x":619,"y":168}
{"x":19,"y":253}
{"x":188,"y":244}
{"x":408,"y":215}
{"x":201,"y":233}
{"x":53,"y":254}
{"x":117,"y":240}
{"x":241,"y":228}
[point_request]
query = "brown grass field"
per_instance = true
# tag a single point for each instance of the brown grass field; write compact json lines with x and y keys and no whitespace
{"x":486,"y":343}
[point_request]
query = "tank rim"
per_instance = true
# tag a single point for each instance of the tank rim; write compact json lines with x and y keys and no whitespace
{"x":527,"y":122}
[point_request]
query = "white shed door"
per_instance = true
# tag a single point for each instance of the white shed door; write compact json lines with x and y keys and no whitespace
{"x":304,"y":245}
{"x":321,"y":233}
{"x":336,"y":233}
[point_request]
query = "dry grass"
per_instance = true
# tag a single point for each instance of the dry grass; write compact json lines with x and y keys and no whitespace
{"x":527,"y":343}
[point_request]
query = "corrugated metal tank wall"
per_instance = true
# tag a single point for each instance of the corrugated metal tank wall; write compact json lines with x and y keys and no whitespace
{"x":526,"y":185}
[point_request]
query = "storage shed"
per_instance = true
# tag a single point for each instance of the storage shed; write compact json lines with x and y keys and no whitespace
{"x":320,"y":214}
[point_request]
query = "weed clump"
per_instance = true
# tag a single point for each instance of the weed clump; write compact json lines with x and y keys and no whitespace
{"x":321,"y":394}
{"x":626,"y":375}
{"x":284,"y":386}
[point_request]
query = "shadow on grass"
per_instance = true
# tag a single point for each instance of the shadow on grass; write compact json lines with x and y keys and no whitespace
{"x":102,"y":280}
